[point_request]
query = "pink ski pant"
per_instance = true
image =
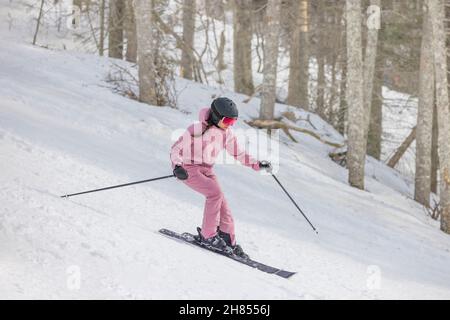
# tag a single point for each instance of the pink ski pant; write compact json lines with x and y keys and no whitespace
{"x":216,"y":212}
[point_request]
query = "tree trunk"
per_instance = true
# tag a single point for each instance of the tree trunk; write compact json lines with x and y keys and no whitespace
{"x":334,"y":40}
{"x":370,"y":63}
{"x":342,"y":113}
{"x":356,"y":154}
{"x":434,"y":152}
{"x":187,"y":64}
{"x":116,"y":19}
{"x":130,"y":32}
{"x":425,"y":117}
{"x":214,"y":9}
{"x":320,"y":57}
{"x":436,"y":9}
{"x":320,"y":100}
{"x":271,"y":48}
{"x":220,"y":58}
{"x":298,"y":55}
{"x":38,"y":22}
{"x":376,"y":110}
{"x":147,"y":75}
{"x":333,"y":88}
{"x":242,"y":47}
{"x":101,"y":45}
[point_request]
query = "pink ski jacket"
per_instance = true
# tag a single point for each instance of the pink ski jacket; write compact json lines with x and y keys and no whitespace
{"x":200,"y":147}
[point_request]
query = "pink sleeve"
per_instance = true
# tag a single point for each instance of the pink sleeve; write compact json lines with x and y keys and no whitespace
{"x":239,"y":154}
{"x":176,"y":153}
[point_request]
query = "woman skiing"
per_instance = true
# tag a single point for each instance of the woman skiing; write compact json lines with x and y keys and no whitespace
{"x":193,"y":156}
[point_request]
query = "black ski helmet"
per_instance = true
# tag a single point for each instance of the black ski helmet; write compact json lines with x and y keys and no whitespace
{"x":223,"y":107}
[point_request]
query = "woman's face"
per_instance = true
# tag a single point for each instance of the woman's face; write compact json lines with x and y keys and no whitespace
{"x":222,"y":125}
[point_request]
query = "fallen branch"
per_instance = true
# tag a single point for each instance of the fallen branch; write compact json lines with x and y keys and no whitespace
{"x":434,"y":211}
{"x":291,"y":116}
{"x":277,"y":124}
{"x":402,"y":149}
{"x":339,"y":156}
{"x":255,"y":92}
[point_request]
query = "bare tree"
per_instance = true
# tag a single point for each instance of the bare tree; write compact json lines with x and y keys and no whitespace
{"x":436,"y":9}
{"x":373,"y":25}
{"x":342,"y":113}
{"x":144,"y":26}
{"x":115,"y":27}
{"x":298,"y":55}
{"x":187,"y":64}
{"x":320,"y":57}
{"x":38,"y":23}
{"x":376,"y":109}
{"x":214,"y":8}
{"x":434,"y":152}
{"x":355,"y":95}
{"x":130,"y":32}
{"x":242,"y":47}
{"x":334,"y":47}
{"x":101,"y":45}
{"x":425,"y":116}
{"x":271,"y":49}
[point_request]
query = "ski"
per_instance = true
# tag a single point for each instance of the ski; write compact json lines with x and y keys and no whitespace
{"x":189,"y":238}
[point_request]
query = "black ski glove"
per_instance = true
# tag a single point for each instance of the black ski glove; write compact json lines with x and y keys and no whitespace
{"x":265,"y":165}
{"x":180,"y":172}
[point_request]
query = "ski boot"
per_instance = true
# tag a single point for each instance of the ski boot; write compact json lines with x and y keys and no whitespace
{"x":215,"y":243}
{"x":237,"y":249}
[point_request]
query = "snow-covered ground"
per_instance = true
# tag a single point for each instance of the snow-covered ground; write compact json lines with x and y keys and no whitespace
{"x":62,"y":131}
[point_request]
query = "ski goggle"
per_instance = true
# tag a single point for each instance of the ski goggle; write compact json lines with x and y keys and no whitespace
{"x":229,"y":121}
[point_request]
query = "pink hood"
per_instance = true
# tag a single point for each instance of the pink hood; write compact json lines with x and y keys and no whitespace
{"x":203,"y":115}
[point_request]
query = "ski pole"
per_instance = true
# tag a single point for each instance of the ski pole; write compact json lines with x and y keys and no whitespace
{"x":117,"y":186}
{"x":294,"y":202}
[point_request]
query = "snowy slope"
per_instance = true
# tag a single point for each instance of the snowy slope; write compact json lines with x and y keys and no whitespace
{"x":62,"y":131}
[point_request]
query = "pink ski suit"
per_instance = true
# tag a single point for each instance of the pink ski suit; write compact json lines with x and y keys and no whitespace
{"x":196,"y":150}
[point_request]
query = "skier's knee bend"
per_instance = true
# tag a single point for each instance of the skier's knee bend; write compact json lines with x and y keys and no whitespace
{"x":218,"y":195}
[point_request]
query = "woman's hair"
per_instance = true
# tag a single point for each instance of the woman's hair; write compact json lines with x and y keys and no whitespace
{"x":210,"y":120}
